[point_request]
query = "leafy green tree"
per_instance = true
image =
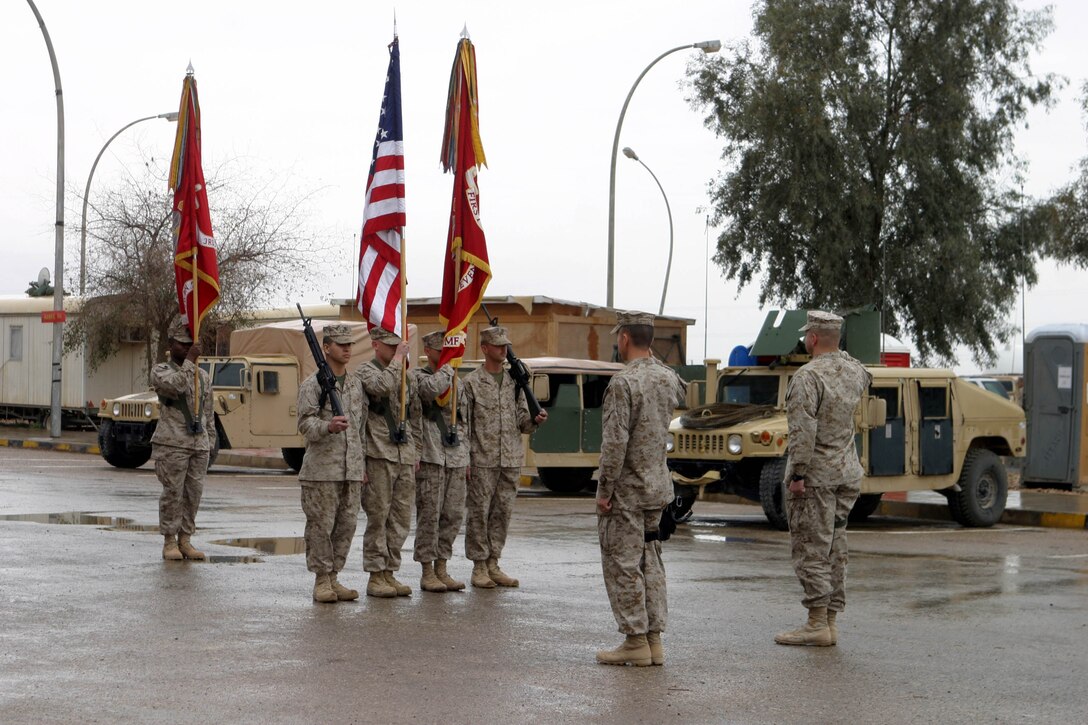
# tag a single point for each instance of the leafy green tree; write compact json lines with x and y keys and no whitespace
{"x":1065,"y":215}
{"x":868,"y":150}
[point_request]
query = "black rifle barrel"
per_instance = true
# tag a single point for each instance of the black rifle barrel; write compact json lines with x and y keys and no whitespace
{"x":325,"y":377}
{"x":518,"y":372}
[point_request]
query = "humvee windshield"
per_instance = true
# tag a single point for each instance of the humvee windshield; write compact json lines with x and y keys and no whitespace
{"x":226,"y":375}
{"x":744,"y":388}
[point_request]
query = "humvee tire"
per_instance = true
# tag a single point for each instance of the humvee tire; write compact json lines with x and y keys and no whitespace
{"x":565,"y":480}
{"x":118,"y":454}
{"x":984,"y":487}
{"x":864,"y":507}
{"x":772,"y":492}
{"x":293,"y":457}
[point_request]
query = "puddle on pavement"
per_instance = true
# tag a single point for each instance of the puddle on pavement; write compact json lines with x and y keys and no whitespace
{"x":78,"y":518}
{"x":217,"y":559}
{"x":718,"y":539}
{"x":269,"y":544}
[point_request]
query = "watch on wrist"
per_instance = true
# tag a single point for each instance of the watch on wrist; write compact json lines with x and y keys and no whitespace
{"x":797,"y":477}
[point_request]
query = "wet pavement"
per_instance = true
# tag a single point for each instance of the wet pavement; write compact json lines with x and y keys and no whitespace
{"x":944,"y":624}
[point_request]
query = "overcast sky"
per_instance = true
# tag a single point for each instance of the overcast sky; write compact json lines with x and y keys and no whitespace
{"x":293,"y":90}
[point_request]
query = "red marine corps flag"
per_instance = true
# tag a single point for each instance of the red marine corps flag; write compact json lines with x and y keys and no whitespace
{"x":467,"y":270}
{"x":196,"y":269}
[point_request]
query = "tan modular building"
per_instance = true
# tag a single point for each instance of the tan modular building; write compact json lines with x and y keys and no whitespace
{"x":546,"y":327}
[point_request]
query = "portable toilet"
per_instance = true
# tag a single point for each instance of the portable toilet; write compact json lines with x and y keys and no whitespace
{"x":1055,"y":407}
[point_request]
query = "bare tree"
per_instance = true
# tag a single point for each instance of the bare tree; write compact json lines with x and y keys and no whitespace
{"x":262,"y":241}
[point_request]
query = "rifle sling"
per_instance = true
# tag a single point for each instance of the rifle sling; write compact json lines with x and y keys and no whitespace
{"x":383,"y":407}
{"x":180,"y":403}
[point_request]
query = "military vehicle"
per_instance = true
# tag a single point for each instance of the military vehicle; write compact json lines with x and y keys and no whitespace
{"x":255,"y":393}
{"x":567,"y":450}
{"x":254,"y":399}
{"x":917,"y":429}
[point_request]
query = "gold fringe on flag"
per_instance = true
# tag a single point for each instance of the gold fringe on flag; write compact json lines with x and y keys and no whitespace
{"x":464,"y":71}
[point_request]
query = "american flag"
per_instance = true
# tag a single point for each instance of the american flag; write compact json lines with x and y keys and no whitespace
{"x":379,"y":294}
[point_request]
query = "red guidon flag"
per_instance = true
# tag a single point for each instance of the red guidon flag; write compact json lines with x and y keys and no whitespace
{"x":467,"y":270}
{"x":379,"y":295}
{"x":196,"y":269}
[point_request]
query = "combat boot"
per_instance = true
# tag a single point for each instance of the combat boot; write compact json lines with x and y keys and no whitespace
{"x":323,"y":589}
{"x":657,"y":650}
{"x":343,"y":594}
{"x":452,"y":585}
{"x":402,"y":589}
{"x":831,"y":613}
{"x":379,"y":587}
{"x":814,"y":632}
{"x":170,"y":550}
{"x":480,"y":578}
{"x":634,"y":649}
{"x":429,"y":582}
{"x":186,"y":548}
{"x":498,"y":576}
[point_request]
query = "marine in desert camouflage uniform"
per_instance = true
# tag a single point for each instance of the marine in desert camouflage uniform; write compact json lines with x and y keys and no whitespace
{"x":633,"y":488}
{"x":824,"y":474}
{"x":497,"y":415}
{"x":180,"y":453}
{"x":440,"y":480}
{"x":334,"y":467}
{"x":390,"y":466}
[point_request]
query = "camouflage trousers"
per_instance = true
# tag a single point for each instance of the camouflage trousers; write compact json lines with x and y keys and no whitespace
{"x":181,"y":472}
{"x":634,"y":574}
{"x":387,"y":501}
{"x":818,"y":542}
{"x":491,"y":496}
{"x":332,"y":510}
{"x":440,"y":507}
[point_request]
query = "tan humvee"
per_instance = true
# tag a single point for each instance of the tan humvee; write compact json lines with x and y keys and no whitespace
{"x":917,"y":429}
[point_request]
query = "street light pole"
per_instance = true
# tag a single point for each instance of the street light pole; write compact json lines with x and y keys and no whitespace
{"x":58,"y":258}
{"x":707,"y":46}
{"x":172,"y":116}
{"x":629,"y":153}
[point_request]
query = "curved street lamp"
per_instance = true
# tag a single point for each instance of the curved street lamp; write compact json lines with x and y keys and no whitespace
{"x":172,"y":117}
{"x":707,"y":46}
{"x":58,"y":251}
{"x":629,"y":153}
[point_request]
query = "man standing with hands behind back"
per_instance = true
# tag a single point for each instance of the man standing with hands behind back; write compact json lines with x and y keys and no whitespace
{"x":824,"y":474}
{"x":633,"y":487}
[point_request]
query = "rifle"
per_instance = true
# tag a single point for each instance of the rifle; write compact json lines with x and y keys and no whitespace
{"x":518,"y":372}
{"x":325,"y":379}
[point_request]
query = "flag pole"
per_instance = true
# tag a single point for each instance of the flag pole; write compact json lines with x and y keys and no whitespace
{"x":404,"y":324}
{"x":197,"y":404}
{"x":453,"y":383}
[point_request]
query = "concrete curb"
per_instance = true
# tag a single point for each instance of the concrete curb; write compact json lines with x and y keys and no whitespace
{"x":241,"y":460}
{"x":225,"y":458}
{"x":1016,"y":517}
{"x":47,"y":445}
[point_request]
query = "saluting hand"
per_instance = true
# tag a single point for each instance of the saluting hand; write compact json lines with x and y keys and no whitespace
{"x":338,"y":424}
